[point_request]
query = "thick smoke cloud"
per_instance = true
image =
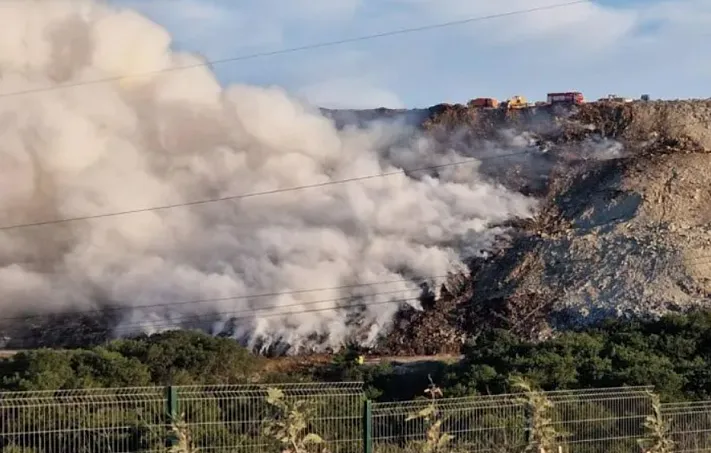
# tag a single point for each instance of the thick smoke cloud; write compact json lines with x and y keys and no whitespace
{"x":179,"y":136}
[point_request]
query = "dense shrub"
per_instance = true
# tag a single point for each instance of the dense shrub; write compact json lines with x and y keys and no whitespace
{"x":673,"y":354}
{"x":176,"y":357}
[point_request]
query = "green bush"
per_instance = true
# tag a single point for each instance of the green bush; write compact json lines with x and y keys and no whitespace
{"x":673,"y":354}
{"x":177,"y":357}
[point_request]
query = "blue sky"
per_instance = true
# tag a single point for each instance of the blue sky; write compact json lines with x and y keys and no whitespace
{"x":627,"y":47}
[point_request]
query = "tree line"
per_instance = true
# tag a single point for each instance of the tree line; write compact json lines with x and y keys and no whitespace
{"x":672,"y":353}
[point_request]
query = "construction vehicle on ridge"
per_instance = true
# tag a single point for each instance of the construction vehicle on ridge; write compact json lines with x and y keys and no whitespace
{"x":515,"y":103}
{"x":484,"y":103}
{"x":615,"y":98}
{"x":569,"y":98}
{"x":519,"y":102}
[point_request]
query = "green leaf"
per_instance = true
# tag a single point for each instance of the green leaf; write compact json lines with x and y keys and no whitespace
{"x":446,"y":438}
{"x":423,"y":413}
{"x":312,"y":438}
{"x":274,"y":395}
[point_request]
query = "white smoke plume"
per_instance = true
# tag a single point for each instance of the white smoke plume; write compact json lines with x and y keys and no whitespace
{"x":175,"y":137}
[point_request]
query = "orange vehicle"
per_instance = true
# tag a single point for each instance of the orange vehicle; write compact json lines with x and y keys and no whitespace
{"x":484,"y":102}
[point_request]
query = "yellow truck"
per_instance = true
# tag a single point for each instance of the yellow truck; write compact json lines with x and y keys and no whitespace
{"x":516,"y":102}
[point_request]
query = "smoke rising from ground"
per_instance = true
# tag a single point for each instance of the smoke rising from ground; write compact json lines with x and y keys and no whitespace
{"x":179,"y":136}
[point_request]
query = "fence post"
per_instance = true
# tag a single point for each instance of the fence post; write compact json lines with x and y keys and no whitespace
{"x":171,"y":400}
{"x":367,"y":426}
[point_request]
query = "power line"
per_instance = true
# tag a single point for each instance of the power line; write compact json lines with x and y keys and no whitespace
{"x":115,"y":307}
{"x":301,"y":48}
{"x":254,"y":194}
{"x":698,"y":260}
{"x":249,"y":313}
{"x":171,"y":323}
{"x":271,"y":192}
{"x":277,"y":310}
{"x":243,"y":314}
{"x":246,"y":314}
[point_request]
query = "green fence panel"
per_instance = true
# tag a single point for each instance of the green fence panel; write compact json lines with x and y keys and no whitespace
{"x":173,"y":416}
{"x":367,"y":426}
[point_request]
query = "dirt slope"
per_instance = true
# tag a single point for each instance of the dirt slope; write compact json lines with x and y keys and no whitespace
{"x":624,"y":227}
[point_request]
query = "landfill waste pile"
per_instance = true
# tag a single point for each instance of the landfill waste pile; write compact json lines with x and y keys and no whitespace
{"x":623,"y":229}
{"x":622,"y":226}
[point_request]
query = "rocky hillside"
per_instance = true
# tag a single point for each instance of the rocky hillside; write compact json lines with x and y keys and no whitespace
{"x":624,"y":227}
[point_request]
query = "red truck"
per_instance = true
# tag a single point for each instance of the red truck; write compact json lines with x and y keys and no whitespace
{"x":572,"y":97}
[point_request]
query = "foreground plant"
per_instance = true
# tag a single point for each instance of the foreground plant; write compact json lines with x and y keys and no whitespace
{"x":544,"y":436}
{"x":288,"y":426}
{"x":180,"y":433}
{"x":436,"y":439}
{"x":18,"y":449}
{"x":657,"y":430}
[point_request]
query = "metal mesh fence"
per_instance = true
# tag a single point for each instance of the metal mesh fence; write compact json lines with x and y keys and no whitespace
{"x":587,"y":421}
{"x":206,"y":419}
{"x":233,"y":419}
{"x":236,"y":419}
{"x":689,"y":425}
{"x":106,"y":420}
{"x":600,"y":420}
{"x":476,"y":424}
